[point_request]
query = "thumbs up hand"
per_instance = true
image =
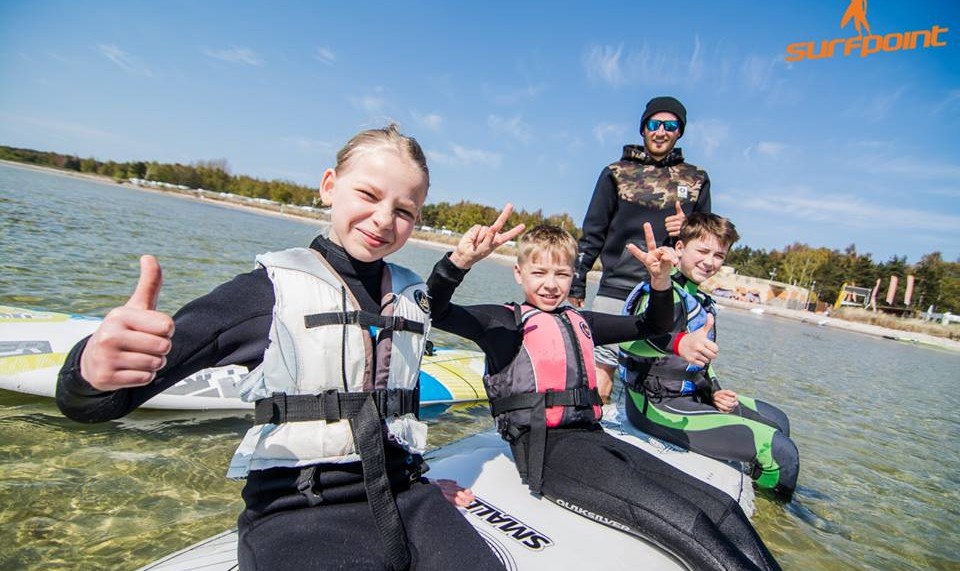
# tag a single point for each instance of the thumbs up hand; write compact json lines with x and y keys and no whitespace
{"x":131,"y":344}
{"x":675,"y":221}
{"x":696,"y":348}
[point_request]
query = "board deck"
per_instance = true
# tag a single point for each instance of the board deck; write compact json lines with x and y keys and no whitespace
{"x":525,"y":531}
{"x":34,"y":345}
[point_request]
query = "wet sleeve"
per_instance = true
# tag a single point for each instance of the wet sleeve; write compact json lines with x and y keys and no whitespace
{"x":491,"y":326}
{"x":656,"y":321}
{"x":230,"y":325}
{"x":443,"y":281}
{"x":596,"y":224}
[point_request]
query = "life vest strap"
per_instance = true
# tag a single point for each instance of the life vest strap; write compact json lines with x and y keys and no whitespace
{"x":333,"y":405}
{"x":368,"y":440}
{"x":364,"y":318}
{"x":581,"y":397}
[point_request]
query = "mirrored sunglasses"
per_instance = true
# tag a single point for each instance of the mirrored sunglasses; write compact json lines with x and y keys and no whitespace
{"x":669,"y":125}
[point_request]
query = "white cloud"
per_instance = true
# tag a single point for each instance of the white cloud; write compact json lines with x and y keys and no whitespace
{"x":514,"y":127}
{"x":603,"y":131}
{"x":757,"y":72}
{"x":122,"y":59}
{"x":603,"y":63}
{"x":432,"y":121}
{"x":844,"y":211}
{"x":696,"y":65}
{"x":58,"y":126}
{"x":707,"y":135}
{"x":462,"y":156}
{"x":325,"y":55}
{"x":371,"y":104}
{"x":658,"y":67}
{"x":244,"y":56}
{"x":879,"y":108}
{"x":305,"y":144}
{"x":771,"y":148}
{"x":514,"y":96}
{"x":948,"y":104}
{"x":915,"y":169}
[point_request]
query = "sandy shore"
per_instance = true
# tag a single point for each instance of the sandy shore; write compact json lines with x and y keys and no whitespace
{"x":821,"y":320}
{"x":802,"y":316}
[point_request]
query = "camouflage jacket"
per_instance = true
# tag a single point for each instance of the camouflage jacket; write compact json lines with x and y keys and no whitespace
{"x":629,"y":192}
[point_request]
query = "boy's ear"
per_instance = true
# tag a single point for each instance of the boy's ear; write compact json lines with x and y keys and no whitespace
{"x":517,"y":274}
{"x":326,"y":186}
{"x":678,"y":247}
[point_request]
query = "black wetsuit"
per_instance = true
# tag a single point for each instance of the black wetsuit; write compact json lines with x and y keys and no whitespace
{"x":279,"y":529}
{"x":586,"y":468}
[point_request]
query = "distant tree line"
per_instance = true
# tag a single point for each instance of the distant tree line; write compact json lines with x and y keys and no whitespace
{"x":824,"y":270}
{"x":209,"y":175}
{"x":461,"y":216}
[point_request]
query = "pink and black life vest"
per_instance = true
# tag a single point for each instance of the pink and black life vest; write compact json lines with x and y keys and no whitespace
{"x":550,"y":383}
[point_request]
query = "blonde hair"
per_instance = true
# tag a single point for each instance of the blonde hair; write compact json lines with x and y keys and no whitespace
{"x":700,"y":225}
{"x":547,"y":240}
{"x":390,"y":137}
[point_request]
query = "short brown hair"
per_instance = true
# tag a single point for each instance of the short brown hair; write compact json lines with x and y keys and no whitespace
{"x":547,"y":239}
{"x":701,"y":225}
{"x":389,"y":136}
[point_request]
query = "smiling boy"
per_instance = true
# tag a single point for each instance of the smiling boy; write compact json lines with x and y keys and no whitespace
{"x":543,"y":395}
{"x":681,"y":401}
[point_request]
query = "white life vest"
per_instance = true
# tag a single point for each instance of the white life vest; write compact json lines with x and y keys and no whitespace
{"x":322,"y":344}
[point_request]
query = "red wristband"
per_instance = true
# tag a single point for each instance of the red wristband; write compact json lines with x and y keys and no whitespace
{"x":676,"y":342}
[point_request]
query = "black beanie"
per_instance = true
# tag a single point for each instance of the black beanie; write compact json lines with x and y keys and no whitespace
{"x":668,"y":104}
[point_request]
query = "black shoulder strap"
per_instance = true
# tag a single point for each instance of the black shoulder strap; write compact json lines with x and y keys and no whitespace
{"x":363,"y":318}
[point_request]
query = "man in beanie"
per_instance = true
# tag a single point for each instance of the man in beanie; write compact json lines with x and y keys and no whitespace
{"x":650,"y":183}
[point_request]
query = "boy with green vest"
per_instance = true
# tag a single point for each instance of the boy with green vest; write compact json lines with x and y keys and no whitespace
{"x":681,"y":401}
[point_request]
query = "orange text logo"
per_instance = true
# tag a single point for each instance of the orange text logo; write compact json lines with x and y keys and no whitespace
{"x":865,"y":43}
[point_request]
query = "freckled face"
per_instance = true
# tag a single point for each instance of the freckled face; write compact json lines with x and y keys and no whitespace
{"x":701,"y":258}
{"x":375,"y":200}
{"x":545,"y":279}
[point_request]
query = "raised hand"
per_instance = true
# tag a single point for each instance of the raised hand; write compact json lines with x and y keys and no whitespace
{"x":696,"y":348}
{"x":659,"y":261}
{"x":131,"y":344}
{"x":480,"y":241}
{"x":675,"y":221}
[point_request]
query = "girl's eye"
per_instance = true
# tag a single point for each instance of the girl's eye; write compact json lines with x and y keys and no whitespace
{"x":406,"y":214}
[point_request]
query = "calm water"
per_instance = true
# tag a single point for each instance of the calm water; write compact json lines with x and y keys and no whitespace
{"x":876,"y":420}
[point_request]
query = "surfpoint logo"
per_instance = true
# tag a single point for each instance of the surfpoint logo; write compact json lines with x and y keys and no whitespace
{"x":864,"y":45}
{"x":509,"y":525}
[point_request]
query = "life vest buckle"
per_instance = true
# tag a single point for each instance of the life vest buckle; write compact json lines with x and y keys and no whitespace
{"x":331,"y":406}
{"x":279,"y":404}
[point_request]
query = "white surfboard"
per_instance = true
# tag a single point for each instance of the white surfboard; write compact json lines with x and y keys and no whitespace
{"x":34,"y":345}
{"x":526,"y":532}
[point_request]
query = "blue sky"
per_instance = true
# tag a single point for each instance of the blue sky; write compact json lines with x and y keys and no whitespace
{"x":517,"y":101}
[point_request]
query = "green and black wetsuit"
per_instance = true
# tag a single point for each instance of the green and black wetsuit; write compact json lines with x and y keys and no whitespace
{"x":672,"y":400}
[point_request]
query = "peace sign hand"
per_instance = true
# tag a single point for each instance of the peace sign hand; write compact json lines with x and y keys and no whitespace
{"x":480,"y":241}
{"x":659,"y":261}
